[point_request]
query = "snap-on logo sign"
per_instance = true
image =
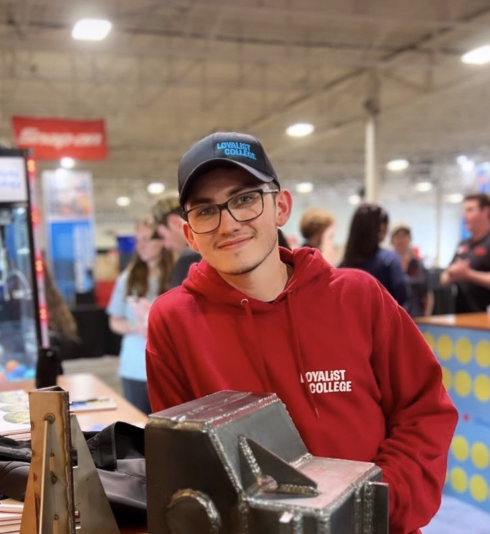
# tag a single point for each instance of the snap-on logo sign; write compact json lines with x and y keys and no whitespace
{"x":34,"y":136}
{"x":55,"y":138}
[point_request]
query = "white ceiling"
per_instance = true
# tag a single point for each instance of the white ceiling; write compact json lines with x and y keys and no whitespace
{"x":173,"y":71}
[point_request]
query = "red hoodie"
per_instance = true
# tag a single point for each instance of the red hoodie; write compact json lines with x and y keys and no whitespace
{"x":353,"y":370}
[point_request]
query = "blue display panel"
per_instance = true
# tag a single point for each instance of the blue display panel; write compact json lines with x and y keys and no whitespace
{"x":69,"y":220}
{"x":72,"y":256}
{"x":18,"y":311}
{"x":464,"y":355}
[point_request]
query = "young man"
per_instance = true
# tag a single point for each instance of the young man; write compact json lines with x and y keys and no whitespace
{"x":166,"y":213}
{"x":354,"y":372}
{"x":470,"y":268}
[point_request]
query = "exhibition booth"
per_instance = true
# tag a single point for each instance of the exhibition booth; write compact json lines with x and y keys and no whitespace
{"x":462,"y":346}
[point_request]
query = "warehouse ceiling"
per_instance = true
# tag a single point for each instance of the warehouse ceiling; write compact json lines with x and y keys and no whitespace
{"x":173,"y":71}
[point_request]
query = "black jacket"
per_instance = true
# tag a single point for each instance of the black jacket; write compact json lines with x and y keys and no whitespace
{"x":118,"y":453}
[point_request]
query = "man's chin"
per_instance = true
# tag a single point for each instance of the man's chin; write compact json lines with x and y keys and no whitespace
{"x":239,"y":270}
{"x":235,"y":268}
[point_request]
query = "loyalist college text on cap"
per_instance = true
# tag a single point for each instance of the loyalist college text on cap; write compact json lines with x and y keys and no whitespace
{"x":224,"y":148}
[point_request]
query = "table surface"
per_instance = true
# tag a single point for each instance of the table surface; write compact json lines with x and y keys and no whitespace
{"x":86,"y":386}
{"x":480,"y":321}
{"x":83,"y":386}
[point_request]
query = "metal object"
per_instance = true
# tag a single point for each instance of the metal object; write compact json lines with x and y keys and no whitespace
{"x":234,"y":463}
{"x":64,"y":493}
{"x":23,"y":333}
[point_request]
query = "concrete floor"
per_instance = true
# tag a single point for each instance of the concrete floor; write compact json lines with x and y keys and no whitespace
{"x":454,"y":516}
{"x":458,"y":517}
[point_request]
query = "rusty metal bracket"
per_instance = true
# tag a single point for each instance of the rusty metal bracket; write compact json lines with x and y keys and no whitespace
{"x":64,"y":493}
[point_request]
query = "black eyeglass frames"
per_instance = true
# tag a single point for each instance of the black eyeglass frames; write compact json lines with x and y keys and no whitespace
{"x":243,"y":207}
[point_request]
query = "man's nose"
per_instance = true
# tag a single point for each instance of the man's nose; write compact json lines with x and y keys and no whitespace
{"x":227,"y":223}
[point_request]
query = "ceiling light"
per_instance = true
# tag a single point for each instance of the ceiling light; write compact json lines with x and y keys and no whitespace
{"x":91,"y":29}
{"x":478,"y":56}
{"x":397,"y":165}
{"x":300,"y":130}
{"x":67,"y":163}
{"x":465,"y":163}
{"x":123,"y":201}
{"x":354,"y":200}
{"x":155,"y":188}
{"x":423,"y":187}
{"x":453,"y":198}
{"x":304,"y":187}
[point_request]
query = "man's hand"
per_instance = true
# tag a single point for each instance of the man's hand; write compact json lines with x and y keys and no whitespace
{"x":459,"y":270}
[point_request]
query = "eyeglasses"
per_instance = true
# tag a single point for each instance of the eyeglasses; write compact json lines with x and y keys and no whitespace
{"x":243,"y":208}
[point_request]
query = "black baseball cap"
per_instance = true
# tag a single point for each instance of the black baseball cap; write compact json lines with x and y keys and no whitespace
{"x":223,"y":149}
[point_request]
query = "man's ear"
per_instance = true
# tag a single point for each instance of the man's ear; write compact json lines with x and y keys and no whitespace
{"x":189,"y":235}
{"x":284,"y":205}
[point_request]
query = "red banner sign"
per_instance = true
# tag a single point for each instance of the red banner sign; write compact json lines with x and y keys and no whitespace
{"x":55,"y":138}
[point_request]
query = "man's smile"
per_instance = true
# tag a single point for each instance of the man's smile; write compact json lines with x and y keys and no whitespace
{"x":231,"y":244}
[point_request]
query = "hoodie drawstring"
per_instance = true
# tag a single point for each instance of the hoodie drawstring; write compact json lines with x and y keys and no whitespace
{"x":255,"y":354}
{"x":257,"y":358}
{"x":298,"y":357}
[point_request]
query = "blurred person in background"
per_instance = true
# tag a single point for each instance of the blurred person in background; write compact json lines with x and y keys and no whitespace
{"x":63,"y":330}
{"x":146,"y":277}
{"x":469,"y":270}
{"x":62,"y":325}
{"x":167,"y":215}
{"x":368,"y":229}
{"x":420,"y":299}
{"x":317,"y":226}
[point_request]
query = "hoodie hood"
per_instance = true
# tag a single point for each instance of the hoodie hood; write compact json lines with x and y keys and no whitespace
{"x":308,"y":266}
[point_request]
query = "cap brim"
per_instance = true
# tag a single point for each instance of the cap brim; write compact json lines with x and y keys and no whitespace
{"x":216,"y":163}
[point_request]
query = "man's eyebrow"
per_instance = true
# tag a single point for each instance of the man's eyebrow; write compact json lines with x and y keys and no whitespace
{"x":235,"y":191}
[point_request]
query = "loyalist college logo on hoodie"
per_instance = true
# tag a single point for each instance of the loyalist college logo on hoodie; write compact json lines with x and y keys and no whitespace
{"x":327,"y":381}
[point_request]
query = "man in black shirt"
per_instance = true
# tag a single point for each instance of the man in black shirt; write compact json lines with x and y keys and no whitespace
{"x":167,"y":214}
{"x":470,"y":267}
